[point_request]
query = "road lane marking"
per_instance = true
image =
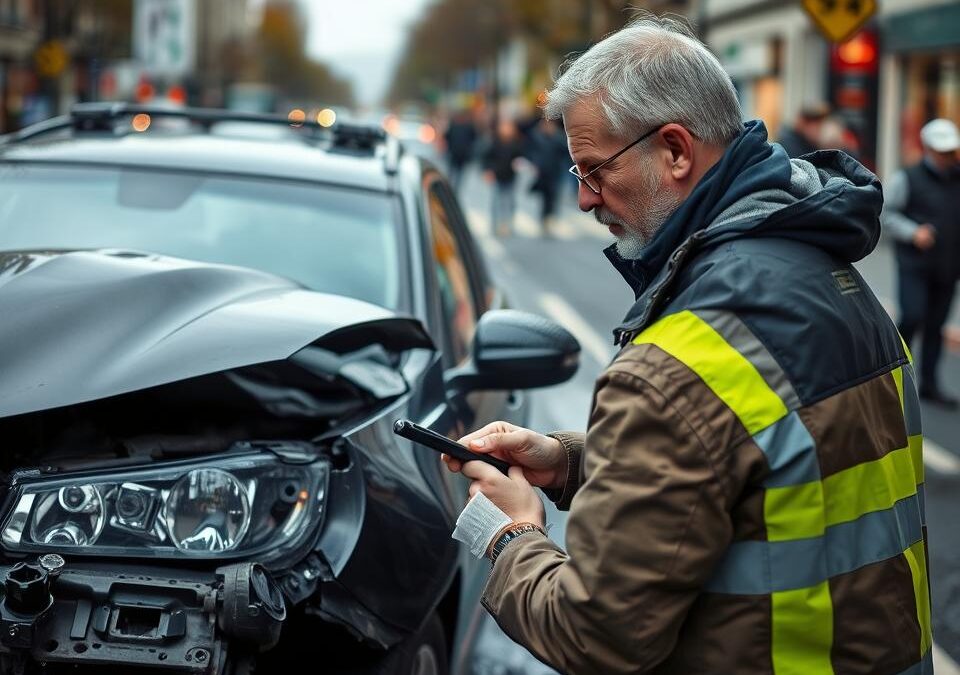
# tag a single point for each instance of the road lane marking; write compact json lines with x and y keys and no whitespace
{"x":590,"y":341}
{"x":943,"y":664}
{"x":479,"y":223}
{"x":525,"y":226}
{"x":939,"y":459}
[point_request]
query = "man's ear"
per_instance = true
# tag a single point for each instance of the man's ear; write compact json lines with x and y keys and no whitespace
{"x":679,"y":142}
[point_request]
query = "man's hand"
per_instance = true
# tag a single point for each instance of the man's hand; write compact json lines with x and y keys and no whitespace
{"x":543,"y":459}
{"x":512,"y":494}
{"x":924,"y":237}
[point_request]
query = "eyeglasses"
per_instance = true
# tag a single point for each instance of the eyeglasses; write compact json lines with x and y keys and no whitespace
{"x":591,"y":181}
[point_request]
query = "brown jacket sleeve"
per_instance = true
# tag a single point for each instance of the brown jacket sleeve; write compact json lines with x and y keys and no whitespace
{"x":644,"y":532}
{"x":572,"y":442}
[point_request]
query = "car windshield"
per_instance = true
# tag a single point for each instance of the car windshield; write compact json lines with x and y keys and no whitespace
{"x":335,"y":240}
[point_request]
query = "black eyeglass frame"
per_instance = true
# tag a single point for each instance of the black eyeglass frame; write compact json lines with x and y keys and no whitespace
{"x":583,"y":179}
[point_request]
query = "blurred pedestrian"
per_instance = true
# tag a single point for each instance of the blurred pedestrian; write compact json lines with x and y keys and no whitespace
{"x":460,"y":138}
{"x":549,"y":155}
{"x":744,"y":499}
{"x":922,"y":213}
{"x":500,"y":162}
{"x":806,"y":134}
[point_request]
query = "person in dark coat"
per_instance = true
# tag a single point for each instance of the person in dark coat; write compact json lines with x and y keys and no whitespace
{"x":549,"y":155}
{"x":460,"y":137}
{"x":500,"y":168}
{"x":804,"y":136}
{"x":922,"y":213}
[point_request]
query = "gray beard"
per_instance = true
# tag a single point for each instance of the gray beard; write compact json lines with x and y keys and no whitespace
{"x":645,"y":222}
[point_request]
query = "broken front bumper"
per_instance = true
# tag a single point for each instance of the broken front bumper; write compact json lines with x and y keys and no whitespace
{"x":135,"y":616}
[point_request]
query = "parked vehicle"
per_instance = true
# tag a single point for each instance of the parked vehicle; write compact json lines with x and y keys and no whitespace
{"x":208,"y":332}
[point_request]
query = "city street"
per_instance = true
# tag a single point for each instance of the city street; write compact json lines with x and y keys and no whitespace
{"x":567,"y":278}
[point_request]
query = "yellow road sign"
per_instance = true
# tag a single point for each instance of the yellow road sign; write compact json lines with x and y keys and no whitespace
{"x":839,"y":19}
{"x":51,"y":58}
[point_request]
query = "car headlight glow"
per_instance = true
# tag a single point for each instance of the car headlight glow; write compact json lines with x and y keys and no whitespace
{"x":220,"y":507}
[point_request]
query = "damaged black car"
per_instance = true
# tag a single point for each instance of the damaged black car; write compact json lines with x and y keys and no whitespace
{"x":197,"y":394}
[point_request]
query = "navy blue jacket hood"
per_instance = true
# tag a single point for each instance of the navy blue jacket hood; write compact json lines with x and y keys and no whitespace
{"x":827,"y":200}
{"x":842,"y":218}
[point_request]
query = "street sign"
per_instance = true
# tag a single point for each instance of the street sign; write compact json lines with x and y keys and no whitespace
{"x":51,"y":59}
{"x":839,"y":19}
{"x":164,"y":33}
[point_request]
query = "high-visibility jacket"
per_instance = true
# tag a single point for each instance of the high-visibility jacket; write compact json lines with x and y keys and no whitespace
{"x":748,"y":497}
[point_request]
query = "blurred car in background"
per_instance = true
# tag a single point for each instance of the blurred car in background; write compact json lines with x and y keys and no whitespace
{"x":211,"y":321}
{"x":416,"y":133}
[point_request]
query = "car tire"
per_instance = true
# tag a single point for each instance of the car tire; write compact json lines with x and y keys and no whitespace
{"x":423,"y":653}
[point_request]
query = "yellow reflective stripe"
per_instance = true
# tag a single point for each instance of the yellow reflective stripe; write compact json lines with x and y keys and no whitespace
{"x":917,"y":559}
{"x":906,"y":349}
{"x":794,"y":511}
{"x":916,"y":454}
{"x":692,"y":341}
{"x":898,"y":380}
{"x":868,"y":487}
{"x":802,"y":631}
{"x":806,"y":510}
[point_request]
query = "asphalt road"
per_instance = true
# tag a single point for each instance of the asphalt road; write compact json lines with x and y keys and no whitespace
{"x":566,"y":277}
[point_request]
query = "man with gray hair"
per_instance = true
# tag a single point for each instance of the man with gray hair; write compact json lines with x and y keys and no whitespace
{"x":748,"y":495}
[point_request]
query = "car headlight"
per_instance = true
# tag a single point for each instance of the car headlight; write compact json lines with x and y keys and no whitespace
{"x":233,"y":506}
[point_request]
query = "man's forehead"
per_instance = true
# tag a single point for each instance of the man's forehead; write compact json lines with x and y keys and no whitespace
{"x":587,"y":130}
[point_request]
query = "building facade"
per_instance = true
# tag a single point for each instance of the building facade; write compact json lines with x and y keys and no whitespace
{"x":919,"y":74}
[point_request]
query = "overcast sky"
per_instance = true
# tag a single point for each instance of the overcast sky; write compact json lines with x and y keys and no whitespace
{"x":361,"y":39}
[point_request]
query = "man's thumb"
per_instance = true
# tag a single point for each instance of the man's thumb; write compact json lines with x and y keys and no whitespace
{"x":502,"y":442}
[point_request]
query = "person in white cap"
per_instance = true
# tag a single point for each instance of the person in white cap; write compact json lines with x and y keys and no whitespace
{"x":922,"y":213}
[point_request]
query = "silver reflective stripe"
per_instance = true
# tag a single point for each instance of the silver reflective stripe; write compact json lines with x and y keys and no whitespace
{"x":924,"y":667}
{"x":911,"y":402}
{"x":763,"y":567}
{"x":738,"y":336}
{"x":923,"y":504}
{"x":790,"y":451}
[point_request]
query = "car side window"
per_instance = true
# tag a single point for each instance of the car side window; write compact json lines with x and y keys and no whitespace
{"x":453,"y":279}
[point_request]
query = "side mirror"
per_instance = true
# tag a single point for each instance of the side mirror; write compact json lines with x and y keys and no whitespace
{"x":516,"y":350}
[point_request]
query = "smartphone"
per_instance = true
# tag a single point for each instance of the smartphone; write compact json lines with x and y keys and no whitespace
{"x":435,"y":441}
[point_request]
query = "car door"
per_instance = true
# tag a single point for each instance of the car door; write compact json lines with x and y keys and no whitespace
{"x":465,"y":293}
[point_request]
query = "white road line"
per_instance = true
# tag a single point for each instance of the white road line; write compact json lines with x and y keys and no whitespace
{"x":943,"y":664}
{"x":479,"y":223}
{"x":494,"y":249}
{"x":589,"y":339}
{"x":525,"y":226}
{"x":939,"y":459}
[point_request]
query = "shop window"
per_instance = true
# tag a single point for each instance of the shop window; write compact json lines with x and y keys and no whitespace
{"x":931,"y":90}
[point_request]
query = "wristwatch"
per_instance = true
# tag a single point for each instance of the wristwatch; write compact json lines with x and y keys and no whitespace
{"x":510,"y":533}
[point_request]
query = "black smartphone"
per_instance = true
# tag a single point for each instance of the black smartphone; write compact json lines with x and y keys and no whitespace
{"x":435,"y":441}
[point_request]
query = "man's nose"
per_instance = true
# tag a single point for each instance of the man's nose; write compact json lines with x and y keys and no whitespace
{"x":587,"y":199}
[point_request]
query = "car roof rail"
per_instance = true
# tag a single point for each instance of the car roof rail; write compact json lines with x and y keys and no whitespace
{"x":103,"y":116}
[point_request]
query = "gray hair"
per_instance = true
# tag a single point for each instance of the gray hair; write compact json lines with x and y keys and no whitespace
{"x":650,"y":73}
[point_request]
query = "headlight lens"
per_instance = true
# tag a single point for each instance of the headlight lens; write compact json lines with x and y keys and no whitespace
{"x":207,"y":510}
{"x":223,"y":507}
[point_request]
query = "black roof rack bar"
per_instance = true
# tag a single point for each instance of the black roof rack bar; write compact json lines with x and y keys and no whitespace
{"x":38,"y":129}
{"x":100,"y":115}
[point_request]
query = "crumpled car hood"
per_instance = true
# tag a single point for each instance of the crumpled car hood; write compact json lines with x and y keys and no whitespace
{"x":85,"y":325}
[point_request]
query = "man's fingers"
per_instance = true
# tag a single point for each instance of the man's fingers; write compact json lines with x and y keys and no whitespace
{"x":486,"y":430}
{"x":516,"y":473}
{"x":481,"y":471}
{"x":453,"y":464}
{"x":501,"y":443}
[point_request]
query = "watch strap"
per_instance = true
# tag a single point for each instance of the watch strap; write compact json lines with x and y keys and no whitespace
{"x":508,"y":534}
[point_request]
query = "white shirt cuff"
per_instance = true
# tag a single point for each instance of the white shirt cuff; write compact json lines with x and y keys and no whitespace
{"x":479,"y":523}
